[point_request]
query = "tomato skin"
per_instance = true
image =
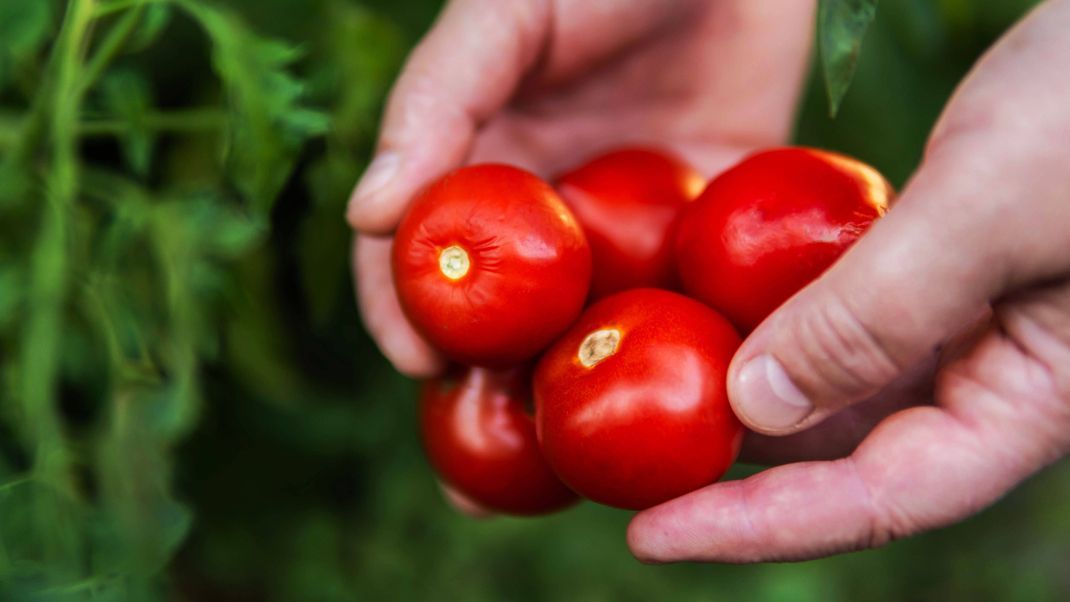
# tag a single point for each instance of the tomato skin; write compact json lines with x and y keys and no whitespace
{"x":527,"y":273}
{"x":628,"y":201}
{"x":767,"y":227}
{"x":481,"y":440}
{"x":650,"y":422}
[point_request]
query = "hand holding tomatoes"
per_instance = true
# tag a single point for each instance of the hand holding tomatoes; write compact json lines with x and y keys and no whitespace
{"x":631,"y":400}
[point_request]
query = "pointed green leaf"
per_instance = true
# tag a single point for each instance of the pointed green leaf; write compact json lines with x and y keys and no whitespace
{"x":269,"y":121}
{"x":126,"y":96}
{"x":153,"y":22}
{"x":842,"y":26}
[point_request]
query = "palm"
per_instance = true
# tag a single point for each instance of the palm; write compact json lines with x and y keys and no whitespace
{"x":687,"y":82}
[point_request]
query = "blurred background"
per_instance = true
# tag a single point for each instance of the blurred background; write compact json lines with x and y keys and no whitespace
{"x":189,"y":407}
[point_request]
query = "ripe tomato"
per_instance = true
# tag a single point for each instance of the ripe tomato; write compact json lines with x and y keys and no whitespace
{"x":768,"y":226}
{"x":631,"y":406}
{"x":490,"y":265}
{"x":628,"y":202}
{"x":481,"y":440}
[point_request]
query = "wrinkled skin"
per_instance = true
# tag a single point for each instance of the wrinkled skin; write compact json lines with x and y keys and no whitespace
{"x":992,"y":406}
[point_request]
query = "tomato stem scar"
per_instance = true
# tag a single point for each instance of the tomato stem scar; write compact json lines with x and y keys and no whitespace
{"x":598,"y":345}
{"x":454,"y":262}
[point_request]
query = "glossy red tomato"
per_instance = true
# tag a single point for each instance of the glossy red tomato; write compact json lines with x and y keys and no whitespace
{"x":631,"y":403}
{"x":490,"y":265}
{"x":768,"y":226}
{"x":481,"y":440}
{"x":628,"y":202}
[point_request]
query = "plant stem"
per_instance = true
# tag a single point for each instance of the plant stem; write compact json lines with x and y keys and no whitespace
{"x":183,"y":120}
{"x":55,"y":114}
{"x":48,"y":280}
{"x":110,"y":46}
{"x":120,"y":5}
{"x":208,"y":118}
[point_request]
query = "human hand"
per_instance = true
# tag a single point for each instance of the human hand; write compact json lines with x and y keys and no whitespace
{"x":981,"y":235}
{"x":543,"y":84}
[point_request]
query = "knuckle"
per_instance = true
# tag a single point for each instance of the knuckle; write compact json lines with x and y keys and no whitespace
{"x":881,"y":525}
{"x":835,"y":356}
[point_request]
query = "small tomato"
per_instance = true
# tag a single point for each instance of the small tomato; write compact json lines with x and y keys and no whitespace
{"x":631,"y":403}
{"x":628,"y":202}
{"x":490,"y":265}
{"x":767,"y":227}
{"x":480,"y":439}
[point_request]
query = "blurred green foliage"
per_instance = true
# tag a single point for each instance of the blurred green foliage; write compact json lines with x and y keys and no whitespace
{"x":189,"y":409}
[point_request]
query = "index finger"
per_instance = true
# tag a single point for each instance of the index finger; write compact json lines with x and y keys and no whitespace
{"x":460,"y":74}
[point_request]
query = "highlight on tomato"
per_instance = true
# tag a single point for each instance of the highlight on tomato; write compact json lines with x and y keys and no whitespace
{"x":770,"y":225}
{"x":490,"y":265}
{"x":631,"y":403}
{"x":628,"y":201}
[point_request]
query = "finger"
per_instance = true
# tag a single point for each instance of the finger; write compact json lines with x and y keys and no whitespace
{"x":462,"y":72}
{"x":922,"y":468}
{"x":985,"y":213}
{"x":382,"y":314}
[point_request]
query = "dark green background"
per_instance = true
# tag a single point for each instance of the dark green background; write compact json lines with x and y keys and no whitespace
{"x":301,"y":469}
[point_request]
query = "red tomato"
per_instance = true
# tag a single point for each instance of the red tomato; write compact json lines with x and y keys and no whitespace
{"x":481,"y":441}
{"x":490,"y":265}
{"x":768,"y":226}
{"x":631,"y":403}
{"x":628,"y":202}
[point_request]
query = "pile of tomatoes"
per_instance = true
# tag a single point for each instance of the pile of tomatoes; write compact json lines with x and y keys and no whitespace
{"x":591,"y":323}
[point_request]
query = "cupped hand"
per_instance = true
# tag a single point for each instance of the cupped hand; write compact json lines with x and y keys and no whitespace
{"x":968,"y":279}
{"x":543,"y":84}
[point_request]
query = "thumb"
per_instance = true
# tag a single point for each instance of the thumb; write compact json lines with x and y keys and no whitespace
{"x":985,"y":214}
{"x":920,"y":276}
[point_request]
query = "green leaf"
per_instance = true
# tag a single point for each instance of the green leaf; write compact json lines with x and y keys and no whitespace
{"x":24,"y":26}
{"x":144,"y":525}
{"x":153,"y":22}
{"x":41,"y":531}
{"x":126,"y":96}
{"x":362,"y":53}
{"x":269,"y":122}
{"x":842,"y":26}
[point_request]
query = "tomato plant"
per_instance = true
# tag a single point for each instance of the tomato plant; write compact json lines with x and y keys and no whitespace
{"x":631,"y":403}
{"x":768,"y":226}
{"x":481,"y":440}
{"x":628,"y":201}
{"x":490,"y":265}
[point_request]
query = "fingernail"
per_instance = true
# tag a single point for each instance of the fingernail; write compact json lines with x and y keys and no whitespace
{"x":376,"y":177}
{"x":766,"y":397}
